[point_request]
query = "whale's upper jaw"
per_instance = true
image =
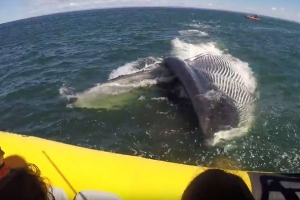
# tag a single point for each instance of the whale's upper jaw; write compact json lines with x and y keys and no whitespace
{"x":194,"y":84}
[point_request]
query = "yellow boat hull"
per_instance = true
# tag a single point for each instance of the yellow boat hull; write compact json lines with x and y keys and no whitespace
{"x":129,"y":177}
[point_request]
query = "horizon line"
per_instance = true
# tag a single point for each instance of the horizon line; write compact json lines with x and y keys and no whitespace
{"x":126,"y":7}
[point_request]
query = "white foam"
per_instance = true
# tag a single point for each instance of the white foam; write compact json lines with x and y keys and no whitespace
{"x":66,"y":92}
{"x":134,"y":66}
{"x":128,"y":68}
{"x":193,"y":32}
{"x":159,"y":99}
{"x":186,"y":50}
{"x":142,"y":98}
{"x":198,"y":25}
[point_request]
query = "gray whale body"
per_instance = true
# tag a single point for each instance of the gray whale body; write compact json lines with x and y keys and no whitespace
{"x":217,"y":92}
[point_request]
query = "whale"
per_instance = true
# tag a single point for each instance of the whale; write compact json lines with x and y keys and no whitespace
{"x":219,"y":96}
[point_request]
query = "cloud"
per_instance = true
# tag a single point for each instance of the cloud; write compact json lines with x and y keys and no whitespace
{"x":208,"y":4}
{"x":41,"y":7}
{"x":274,"y":8}
{"x":74,"y":4}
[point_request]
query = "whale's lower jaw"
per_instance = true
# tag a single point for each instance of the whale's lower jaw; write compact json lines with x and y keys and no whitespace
{"x":219,"y":112}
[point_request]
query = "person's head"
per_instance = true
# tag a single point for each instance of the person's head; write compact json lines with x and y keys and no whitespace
{"x":216,"y":184}
{"x":24,"y":183}
{"x":15,"y":161}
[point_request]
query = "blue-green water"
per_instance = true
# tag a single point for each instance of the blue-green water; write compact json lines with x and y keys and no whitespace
{"x":42,"y":57}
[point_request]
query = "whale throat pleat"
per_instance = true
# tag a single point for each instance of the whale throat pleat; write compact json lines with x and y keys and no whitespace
{"x":221,"y":73}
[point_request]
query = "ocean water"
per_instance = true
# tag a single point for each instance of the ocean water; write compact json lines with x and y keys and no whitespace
{"x":45,"y":61}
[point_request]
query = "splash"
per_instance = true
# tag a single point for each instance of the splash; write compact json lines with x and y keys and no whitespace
{"x":186,"y":50}
{"x":192,"y":32}
{"x":133,"y":67}
{"x":67,"y":92}
{"x":196,"y":24}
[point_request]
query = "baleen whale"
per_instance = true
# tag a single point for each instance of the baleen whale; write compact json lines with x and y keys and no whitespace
{"x":218,"y":93}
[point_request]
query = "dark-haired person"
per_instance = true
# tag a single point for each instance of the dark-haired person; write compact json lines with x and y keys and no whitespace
{"x":216,"y":184}
{"x":24,"y":183}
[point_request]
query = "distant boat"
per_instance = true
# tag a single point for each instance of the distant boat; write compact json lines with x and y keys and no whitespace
{"x":253,"y":17}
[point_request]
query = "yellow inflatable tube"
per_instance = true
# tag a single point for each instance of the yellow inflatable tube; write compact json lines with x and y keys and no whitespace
{"x":129,"y":177}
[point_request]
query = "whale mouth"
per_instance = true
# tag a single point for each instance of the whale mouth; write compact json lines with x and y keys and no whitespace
{"x":215,"y":91}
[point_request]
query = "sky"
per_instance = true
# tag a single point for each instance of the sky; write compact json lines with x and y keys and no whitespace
{"x":11,"y":10}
